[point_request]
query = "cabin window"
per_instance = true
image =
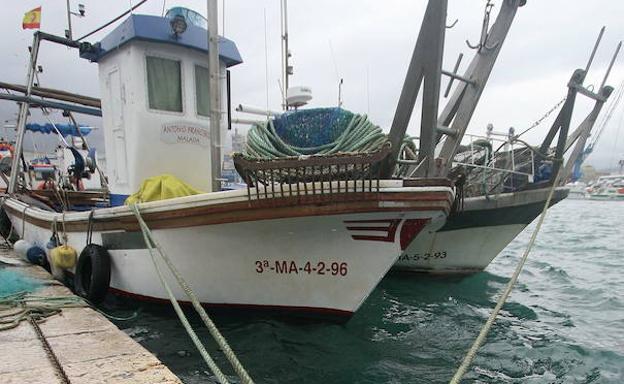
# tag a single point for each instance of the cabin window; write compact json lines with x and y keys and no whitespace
{"x":202,"y":94}
{"x":164,"y":84}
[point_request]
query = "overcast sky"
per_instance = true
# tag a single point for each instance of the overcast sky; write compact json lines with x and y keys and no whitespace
{"x":368,"y":44}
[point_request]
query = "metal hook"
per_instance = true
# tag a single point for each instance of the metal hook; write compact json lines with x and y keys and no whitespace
{"x":484,"y":29}
{"x":452,"y":24}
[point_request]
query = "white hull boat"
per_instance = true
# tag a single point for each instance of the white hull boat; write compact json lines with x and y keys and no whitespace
{"x":473,"y":237}
{"x":323,"y":257}
{"x":608,"y":188}
{"x":319,"y":241}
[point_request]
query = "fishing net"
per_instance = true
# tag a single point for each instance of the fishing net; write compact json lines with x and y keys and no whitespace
{"x":13,"y":281}
{"x":312,"y":127}
{"x":320,"y":131}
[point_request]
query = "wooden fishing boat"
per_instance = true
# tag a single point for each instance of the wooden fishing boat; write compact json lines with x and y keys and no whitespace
{"x":319,"y":243}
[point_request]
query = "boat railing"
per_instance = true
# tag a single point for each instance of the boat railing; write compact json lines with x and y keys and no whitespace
{"x":494,"y":165}
{"x":319,"y":177}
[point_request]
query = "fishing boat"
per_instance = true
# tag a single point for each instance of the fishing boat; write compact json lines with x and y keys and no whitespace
{"x":317,"y":244}
{"x":500,"y":190}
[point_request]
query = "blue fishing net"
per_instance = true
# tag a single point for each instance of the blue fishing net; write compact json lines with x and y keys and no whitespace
{"x":13,"y":281}
{"x":312,"y":127}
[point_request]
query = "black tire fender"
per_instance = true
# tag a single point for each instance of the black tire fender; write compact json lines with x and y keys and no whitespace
{"x":92,"y":277}
{"x":6,"y":227}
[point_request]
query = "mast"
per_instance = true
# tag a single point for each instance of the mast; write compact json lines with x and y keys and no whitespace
{"x":581,"y":134}
{"x":23,"y":115}
{"x":425,"y":69}
{"x":68,"y":34}
{"x":456,"y":115}
{"x":286,"y":68}
{"x":215,"y":94}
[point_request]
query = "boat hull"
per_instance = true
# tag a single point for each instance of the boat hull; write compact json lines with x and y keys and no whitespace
{"x":472,"y":238}
{"x":322,"y":258}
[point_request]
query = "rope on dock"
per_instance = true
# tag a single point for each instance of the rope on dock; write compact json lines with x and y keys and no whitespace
{"x":217,"y":336}
{"x":463,"y":368}
{"x":22,"y":306}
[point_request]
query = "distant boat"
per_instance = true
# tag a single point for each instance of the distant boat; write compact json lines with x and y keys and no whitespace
{"x":607,"y":188}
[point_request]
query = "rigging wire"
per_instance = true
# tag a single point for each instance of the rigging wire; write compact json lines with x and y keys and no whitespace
{"x":112,"y":21}
{"x":617,"y":138}
{"x":541,"y":119}
{"x":607,"y":116}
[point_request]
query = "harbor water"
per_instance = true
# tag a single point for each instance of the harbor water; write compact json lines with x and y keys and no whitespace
{"x":564,"y":322}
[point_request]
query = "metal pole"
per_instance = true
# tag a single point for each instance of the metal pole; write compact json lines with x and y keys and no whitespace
{"x":285,"y":53}
{"x":215,"y":94}
{"x":69,"y":31}
{"x":615,"y":55}
{"x":582,"y":135}
{"x":424,"y":70}
{"x":593,"y":53}
{"x":23,"y":115}
{"x":459,"y":110}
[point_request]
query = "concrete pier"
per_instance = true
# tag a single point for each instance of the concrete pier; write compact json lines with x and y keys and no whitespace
{"x":89,"y":347}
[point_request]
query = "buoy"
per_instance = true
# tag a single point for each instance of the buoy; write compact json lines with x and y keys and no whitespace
{"x":63,"y":257}
{"x":52,"y":243}
{"x":36,"y":255}
{"x":21,"y":247}
{"x":92,"y":277}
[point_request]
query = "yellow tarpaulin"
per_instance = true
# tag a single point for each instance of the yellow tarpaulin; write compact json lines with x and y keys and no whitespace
{"x":161,"y":187}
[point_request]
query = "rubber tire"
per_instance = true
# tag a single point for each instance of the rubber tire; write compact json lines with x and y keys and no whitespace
{"x":5,"y":227}
{"x":92,"y":277}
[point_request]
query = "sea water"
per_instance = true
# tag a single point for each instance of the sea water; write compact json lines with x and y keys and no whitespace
{"x":564,"y":322}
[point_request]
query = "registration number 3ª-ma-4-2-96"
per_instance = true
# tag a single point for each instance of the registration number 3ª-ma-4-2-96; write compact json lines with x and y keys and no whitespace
{"x":330,"y":268}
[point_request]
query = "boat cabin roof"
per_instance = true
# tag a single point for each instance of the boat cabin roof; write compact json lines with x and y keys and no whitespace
{"x":158,"y":29}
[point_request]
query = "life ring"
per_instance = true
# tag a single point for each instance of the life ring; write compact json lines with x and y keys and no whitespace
{"x":92,"y":277}
{"x":6,"y":228}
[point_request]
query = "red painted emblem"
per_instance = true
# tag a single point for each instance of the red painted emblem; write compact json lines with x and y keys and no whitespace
{"x":376,"y":230}
{"x":385,"y":230}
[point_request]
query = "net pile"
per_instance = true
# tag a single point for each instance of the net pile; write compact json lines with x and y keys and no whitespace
{"x":319,"y":131}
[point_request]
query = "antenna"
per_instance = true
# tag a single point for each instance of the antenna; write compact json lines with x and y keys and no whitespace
{"x":266,"y":62}
{"x":340,"y":79}
{"x":80,"y":13}
{"x":340,"y":93}
{"x":367,"y":92}
{"x":287,"y":69}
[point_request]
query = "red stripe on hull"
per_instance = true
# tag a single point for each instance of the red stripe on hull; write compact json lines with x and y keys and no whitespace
{"x":390,"y":230}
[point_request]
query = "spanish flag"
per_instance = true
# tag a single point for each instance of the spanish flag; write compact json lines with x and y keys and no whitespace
{"x":32,"y":19}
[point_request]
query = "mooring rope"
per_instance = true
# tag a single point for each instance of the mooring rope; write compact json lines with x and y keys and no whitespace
{"x":463,"y":368}
{"x":22,"y":306}
{"x":212,"y":328}
{"x":19,"y":306}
